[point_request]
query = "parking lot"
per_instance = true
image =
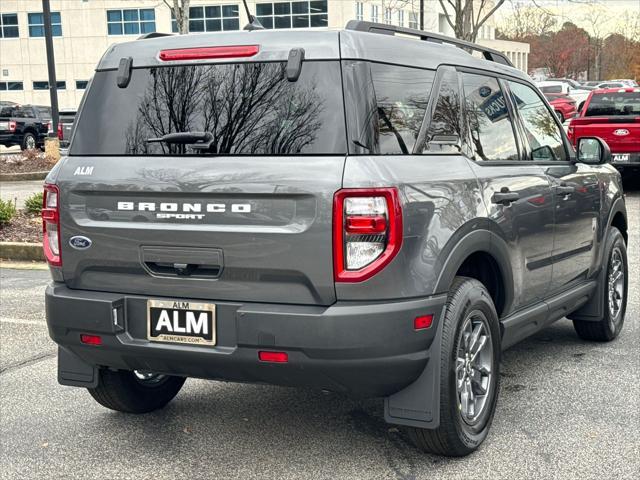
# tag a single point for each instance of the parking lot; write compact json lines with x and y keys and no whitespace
{"x":568,"y":409}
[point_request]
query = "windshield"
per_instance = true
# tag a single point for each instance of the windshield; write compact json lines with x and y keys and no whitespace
{"x":248,"y":108}
{"x":617,"y":103}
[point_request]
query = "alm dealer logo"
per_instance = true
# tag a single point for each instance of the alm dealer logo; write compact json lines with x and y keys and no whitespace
{"x":184,"y":211}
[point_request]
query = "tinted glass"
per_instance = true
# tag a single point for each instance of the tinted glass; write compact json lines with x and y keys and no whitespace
{"x":617,"y":103}
{"x":386,"y":106}
{"x":249,"y":108}
{"x":540,"y":126}
{"x":552,"y":89}
{"x":490,"y":126}
{"x":446,"y":121}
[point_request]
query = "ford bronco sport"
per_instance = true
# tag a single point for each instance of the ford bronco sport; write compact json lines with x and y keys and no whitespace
{"x":353,"y":210}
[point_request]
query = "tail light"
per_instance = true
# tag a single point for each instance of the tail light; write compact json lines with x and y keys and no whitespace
{"x":51,"y":225}
{"x":48,"y":127}
{"x":367,"y":232}
{"x":60,"y":131}
{"x":12,"y":126}
{"x":571,"y":133}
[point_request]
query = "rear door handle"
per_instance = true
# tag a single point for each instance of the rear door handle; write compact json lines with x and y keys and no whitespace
{"x":563,"y":190}
{"x":504,"y":196}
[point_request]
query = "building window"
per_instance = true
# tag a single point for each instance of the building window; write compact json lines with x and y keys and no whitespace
{"x":413,"y":20}
{"x":60,"y":85}
{"x":374,"y":13}
{"x":11,"y":86}
{"x":310,"y":13}
{"x":131,"y":22}
{"x":81,"y":84}
{"x":36,"y":24}
{"x":9,"y":25}
{"x":359,"y":11}
{"x":387,"y":16}
{"x":401,"y":18}
{"x":211,"y":18}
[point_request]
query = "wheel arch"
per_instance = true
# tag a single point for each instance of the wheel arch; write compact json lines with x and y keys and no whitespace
{"x":481,"y":254}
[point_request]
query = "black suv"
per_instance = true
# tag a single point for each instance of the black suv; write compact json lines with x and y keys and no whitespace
{"x":351,"y":210}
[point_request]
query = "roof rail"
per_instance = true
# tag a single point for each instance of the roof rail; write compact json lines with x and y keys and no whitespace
{"x":371,"y":27}
{"x":154,"y":35}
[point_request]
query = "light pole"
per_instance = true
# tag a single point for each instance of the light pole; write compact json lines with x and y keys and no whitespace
{"x":51,"y":66}
{"x":421,"y":14}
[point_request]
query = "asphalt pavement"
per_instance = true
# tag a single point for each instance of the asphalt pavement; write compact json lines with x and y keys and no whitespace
{"x":567,"y":409}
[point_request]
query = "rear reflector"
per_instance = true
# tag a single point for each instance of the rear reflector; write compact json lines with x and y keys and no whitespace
{"x":91,"y":339}
{"x":422,"y":322}
{"x":273,"y":357}
{"x":201,"y":53}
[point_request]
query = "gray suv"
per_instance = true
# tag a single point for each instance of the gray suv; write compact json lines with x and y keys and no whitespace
{"x":353,"y":210}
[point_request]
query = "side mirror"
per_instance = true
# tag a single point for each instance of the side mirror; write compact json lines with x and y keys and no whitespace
{"x":593,"y":151}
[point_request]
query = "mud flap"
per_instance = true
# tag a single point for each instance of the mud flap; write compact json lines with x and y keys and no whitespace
{"x":74,"y":372}
{"x":418,"y":405}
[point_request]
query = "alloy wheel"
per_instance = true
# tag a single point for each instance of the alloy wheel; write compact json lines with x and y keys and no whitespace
{"x":615,"y":286}
{"x":474,"y":366}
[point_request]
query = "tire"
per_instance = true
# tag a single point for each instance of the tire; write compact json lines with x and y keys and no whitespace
{"x":560,"y":116}
{"x":126,"y":391}
{"x":609,"y":326}
{"x":29,"y":141}
{"x":459,"y":434}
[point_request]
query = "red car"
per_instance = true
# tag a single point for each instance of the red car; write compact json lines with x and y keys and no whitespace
{"x":563,"y":105}
{"x":613,"y":114}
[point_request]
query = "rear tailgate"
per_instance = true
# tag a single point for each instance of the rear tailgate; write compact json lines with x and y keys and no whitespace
{"x":254,"y":229}
{"x":245,"y":216}
{"x":622,"y":133}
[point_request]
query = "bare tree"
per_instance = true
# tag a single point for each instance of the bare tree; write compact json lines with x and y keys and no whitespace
{"x":467,"y":16}
{"x":526,"y":21}
{"x":180,"y":10}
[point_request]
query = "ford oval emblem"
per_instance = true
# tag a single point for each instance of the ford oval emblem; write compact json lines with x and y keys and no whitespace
{"x":621,"y":132}
{"x":79,"y":242}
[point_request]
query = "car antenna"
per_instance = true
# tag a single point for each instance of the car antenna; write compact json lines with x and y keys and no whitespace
{"x":254,"y":23}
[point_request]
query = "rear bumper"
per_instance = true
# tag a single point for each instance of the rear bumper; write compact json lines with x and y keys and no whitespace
{"x":10,"y":139}
{"x":632,"y":164}
{"x":356,"y":348}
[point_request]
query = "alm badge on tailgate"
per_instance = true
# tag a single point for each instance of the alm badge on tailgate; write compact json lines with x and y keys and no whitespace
{"x":181,"y":322}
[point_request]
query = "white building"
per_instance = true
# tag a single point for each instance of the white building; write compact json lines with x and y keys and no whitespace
{"x":83,"y":29}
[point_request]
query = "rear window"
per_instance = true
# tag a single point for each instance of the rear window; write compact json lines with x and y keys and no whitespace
{"x":614,"y":104}
{"x":551,"y":89}
{"x":249,"y":109}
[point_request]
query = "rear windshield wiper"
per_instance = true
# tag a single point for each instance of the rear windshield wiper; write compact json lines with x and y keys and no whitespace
{"x":197,"y":140}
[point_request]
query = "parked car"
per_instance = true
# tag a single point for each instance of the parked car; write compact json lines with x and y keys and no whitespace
{"x":346,"y":210}
{"x":66,"y":120}
{"x":562,"y":87}
{"x":563,"y":105}
{"x":627,"y":82}
{"x":610,"y":84}
{"x":24,"y":125}
{"x":613,"y":115}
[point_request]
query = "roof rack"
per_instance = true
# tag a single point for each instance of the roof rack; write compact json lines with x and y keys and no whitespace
{"x":154,"y":35}
{"x":371,"y":27}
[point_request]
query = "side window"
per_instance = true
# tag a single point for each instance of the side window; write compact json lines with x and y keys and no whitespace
{"x":445,"y":129}
{"x":385,"y":106}
{"x":540,"y":127}
{"x":490,"y":126}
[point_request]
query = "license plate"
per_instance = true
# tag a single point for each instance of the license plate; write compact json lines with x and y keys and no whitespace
{"x":181,"y":322}
{"x":4,"y":125}
{"x":621,"y":157}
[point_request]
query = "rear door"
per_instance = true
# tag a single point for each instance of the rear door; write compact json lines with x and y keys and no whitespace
{"x":517,"y":192}
{"x":576,"y":195}
{"x":245,"y":217}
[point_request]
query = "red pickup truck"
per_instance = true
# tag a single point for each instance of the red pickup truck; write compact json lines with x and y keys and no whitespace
{"x":612,"y":114}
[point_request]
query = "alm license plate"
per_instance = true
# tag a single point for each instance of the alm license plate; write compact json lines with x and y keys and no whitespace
{"x":4,"y":125}
{"x":621,"y":157}
{"x":181,"y":322}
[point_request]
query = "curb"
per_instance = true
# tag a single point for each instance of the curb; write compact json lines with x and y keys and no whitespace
{"x":18,"y":177}
{"x":21,"y":251}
